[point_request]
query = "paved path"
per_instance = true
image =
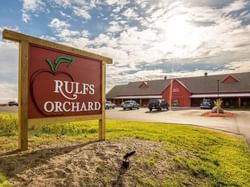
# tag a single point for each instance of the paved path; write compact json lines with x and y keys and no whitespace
{"x":11,"y":109}
{"x":243,"y":122}
{"x":240,"y":124}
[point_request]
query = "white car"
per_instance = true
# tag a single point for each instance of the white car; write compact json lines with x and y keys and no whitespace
{"x":109,"y":105}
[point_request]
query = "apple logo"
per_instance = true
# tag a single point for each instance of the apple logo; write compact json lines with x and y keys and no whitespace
{"x":42,"y":84}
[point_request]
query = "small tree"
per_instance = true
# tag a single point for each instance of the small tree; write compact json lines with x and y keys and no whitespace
{"x":217,"y":106}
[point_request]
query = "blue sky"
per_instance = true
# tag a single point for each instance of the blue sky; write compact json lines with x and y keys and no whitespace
{"x":147,"y":39}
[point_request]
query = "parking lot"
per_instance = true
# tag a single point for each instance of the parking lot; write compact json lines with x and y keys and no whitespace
{"x":239,"y":124}
{"x":8,"y":109}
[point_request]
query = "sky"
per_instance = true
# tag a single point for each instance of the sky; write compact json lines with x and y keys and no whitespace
{"x":147,"y":39}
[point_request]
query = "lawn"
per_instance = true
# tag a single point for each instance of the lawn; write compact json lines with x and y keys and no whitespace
{"x":195,"y":156}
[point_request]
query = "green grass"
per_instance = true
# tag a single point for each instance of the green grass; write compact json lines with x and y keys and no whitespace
{"x":212,"y":157}
{"x":3,"y":181}
{"x":8,"y":124}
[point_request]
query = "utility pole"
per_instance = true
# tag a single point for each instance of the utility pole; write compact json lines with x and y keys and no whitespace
{"x":170,"y":94}
{"x":218,"y":88}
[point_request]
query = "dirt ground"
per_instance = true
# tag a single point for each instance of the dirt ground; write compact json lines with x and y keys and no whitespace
{"x":87,"y":164}
{"x":225,"y":114}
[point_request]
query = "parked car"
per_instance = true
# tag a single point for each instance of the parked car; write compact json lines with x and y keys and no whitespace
{"x":131,"y":104}
{"x":109,"y":105}
{"x":12,"y":103}
{"x":206,"y":104}
{"x":157,"y":104}
{"x":122,"y":104}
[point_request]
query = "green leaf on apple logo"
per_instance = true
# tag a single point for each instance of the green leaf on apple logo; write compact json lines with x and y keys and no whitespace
{"x":59,"y":60}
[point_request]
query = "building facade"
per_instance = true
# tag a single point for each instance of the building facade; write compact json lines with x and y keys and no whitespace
{"x":234,"y":89}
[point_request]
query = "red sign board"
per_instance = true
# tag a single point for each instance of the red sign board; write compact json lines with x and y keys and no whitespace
{"x":59,"y":83}
{"x":63,"y":84}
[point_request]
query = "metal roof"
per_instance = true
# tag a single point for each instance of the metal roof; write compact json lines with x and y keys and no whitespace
{"x":196,"y":85}
{"x":220,"y":95}
{"x":154,"y":87}
{"x":140,"y":97}
{"x":208,"y":84}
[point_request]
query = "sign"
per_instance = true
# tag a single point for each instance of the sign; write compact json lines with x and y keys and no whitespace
{"x":58,"y":83}
{"x":61,"y":84}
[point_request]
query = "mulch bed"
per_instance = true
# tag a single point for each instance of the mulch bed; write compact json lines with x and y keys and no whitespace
{"x":225,"y":114}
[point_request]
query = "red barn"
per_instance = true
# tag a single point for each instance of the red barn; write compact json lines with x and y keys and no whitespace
{"x":234,"y":89}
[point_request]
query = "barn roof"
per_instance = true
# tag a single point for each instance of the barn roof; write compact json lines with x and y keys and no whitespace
{"x":196,"y":85}
{"x":152,"y":87}
{"x":208,"y":84}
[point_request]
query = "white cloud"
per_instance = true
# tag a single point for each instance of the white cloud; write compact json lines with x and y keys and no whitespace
{"x":9,"y":71}
{"x":65,"y":33}
{"x":82,"y":12}
{"x":174,"y":32}
{"x":84,"y":4}
{"x":130,"y":13}
{"x":64,"y":14}
{"x":26,"y":17}
{"x":62,"y":29}
{"x":9,"y":94}
{"x":85,"y":33}
{"x":115,"y":27}
{"x":235,"y":6}
{"x":239,"y":66}
{"x":146,"y":75}
{"x":31,"y":6}
{"x":68,"y":36}
{"x":117,"y":9}
{"x":46,"y":37}
{"x":120,"y":3}
{"x":104,"y":40}
{"x":63,"y":3}
{"x":164,"y":29}
{"x":116,"y":54}
{"x":58,"y":24}
{"x":80,"y":42}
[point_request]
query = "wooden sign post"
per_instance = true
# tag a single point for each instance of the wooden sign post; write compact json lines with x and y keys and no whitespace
{"x":57,"y":83}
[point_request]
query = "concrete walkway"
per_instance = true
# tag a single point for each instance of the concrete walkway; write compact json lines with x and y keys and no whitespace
{"x":240,"y":124}
{"x":243,"y":122}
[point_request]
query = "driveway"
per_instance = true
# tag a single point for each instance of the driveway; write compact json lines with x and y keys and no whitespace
{"x":240,"y":124}
{"x":11,"y":109}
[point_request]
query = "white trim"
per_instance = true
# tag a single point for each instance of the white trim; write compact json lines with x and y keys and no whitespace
{"x":139,"y":97}
{"x":220,"y":95}
{"x":182,"y":84}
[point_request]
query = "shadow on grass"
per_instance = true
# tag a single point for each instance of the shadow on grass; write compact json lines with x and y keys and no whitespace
{"x":16,"y":162}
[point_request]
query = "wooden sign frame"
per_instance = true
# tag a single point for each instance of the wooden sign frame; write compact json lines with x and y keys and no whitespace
{"x":23,"y":85}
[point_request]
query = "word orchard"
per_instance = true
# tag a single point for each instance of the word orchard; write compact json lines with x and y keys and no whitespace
{"x":71,"y":91}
